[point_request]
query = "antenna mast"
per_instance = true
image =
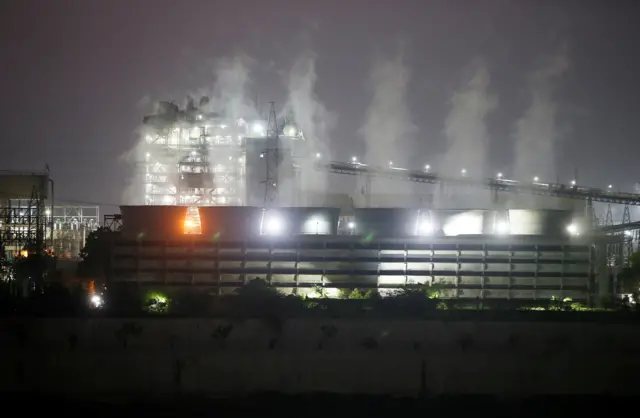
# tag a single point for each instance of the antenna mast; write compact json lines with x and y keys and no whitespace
{"x":272,"y":162}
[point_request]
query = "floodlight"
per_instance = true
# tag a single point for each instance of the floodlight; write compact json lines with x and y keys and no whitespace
{"x":573,"y":229}
{"x":502,"y":228}
{"x":426,"y":228}
{"x":274,"y":225}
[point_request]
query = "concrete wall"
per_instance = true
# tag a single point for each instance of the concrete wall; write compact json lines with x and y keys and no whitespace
{"x":119,"y":356}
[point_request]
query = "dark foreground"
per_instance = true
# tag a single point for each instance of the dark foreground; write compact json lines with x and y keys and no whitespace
{"x":323,"y":405}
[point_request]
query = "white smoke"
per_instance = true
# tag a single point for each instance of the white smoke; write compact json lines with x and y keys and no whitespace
{"x":315,"y":121}
{"x":389,"y":128}
{"x":230,"y":93}
{"x":467,"y":135}
{"x":536,"y":133}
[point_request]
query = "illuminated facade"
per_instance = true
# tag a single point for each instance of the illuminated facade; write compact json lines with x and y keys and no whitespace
{"x":23,"y":211}
{"x":195,"y":157}
{"x":516,"y":254}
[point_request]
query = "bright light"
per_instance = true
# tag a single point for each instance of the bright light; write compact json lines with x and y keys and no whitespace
{"x":148,"y":138}
{"x":573,"y":229}
{"x":536,"y":179}
{"x":223,"y":126}
{"x":199,"y":117}
{"x":258,"y":129}
{"x":318,"y":155}
{"x":189,"y":224}
{"x":463,"y":171}
{"x":351,"y":225}
{"x":466,"y":223}
{"x":354,"y":159}
{"x":390,"y":163}
{"x":96,"y":301}
{"x":499,"y":175}
{"x":426,"y":228}
{"x":573,"y":182}
{"x":427,"y":167}
{"x":148,"y":155}
{"x":47,"y":212}
{"x":628,"y":233}
{"x":261,"y":155}
{"x":610,"y":186}
{"x":502,"y":228}
{"x":274,"y":225}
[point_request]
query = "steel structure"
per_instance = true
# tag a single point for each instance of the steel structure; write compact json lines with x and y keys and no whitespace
{"x":112,"y":222}
{"x":272,"y":163}
{"x":24,"y":210}
{"x":194,"y":157}
{"x":71,"y":226}
{"x":590,"y":194}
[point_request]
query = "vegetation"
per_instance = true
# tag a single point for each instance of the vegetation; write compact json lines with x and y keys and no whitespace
{"x":94,"y":255}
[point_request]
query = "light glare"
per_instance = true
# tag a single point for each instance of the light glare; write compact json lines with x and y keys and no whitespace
{"x":274,"y":225}
{"x":502,"y":228}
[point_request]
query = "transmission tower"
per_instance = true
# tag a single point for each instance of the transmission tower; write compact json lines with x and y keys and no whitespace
{"x":272,"y":160}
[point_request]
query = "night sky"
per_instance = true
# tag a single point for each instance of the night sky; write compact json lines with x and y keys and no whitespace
{"x":75,"y":76}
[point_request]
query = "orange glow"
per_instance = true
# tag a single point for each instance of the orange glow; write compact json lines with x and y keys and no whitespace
{"x":192,"y":221}
{"x":92,"y":288}
{"x":24,"y":253}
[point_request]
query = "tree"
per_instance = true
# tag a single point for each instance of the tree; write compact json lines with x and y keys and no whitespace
{"x":95,"y":253}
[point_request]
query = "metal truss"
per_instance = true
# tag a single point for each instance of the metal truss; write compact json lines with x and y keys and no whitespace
{"x":540,"y":189}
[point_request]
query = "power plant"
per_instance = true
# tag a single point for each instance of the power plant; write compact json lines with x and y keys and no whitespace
{"x":220,"y":209}
{"x":218,"y":206}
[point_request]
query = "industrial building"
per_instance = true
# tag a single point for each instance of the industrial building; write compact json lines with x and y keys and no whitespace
{"x":513,"y":254}
{"x":220,"y":208}
{"x":197,"y":157}
{"x":30,"y":219}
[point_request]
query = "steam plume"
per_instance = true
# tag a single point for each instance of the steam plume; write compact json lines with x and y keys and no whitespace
{"x":312,"y":118}
{"x":388,"y":126}
{"x":465,"y":127}
{"x":536,"y":133}
{"x":466,"y":131}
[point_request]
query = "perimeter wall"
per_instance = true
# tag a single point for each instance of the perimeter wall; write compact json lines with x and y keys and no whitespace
{"x":167,"y":356}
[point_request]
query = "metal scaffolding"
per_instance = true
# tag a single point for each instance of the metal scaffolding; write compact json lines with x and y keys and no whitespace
{"x":23,"y":224}
{"x":71,"y":226}
{"x":193,"y":158}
